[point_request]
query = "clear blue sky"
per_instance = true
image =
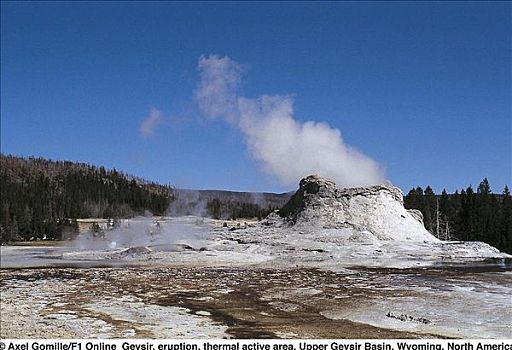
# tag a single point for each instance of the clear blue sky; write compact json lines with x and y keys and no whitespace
{"x":423,"y":88}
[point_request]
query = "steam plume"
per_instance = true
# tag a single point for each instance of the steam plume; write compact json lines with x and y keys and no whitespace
{"x":151,"y":122}
{"x":285,"y":147}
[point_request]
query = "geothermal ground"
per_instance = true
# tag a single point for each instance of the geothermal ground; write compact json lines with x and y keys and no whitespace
{"x":196,"y":278}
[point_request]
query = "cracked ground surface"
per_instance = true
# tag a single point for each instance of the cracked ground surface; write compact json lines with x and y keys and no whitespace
{"x":248,"y":302}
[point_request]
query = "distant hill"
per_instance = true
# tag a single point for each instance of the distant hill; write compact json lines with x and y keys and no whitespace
{"x":263,"y":198}
{"x":226,"y":204}
{"x":38,"y":196}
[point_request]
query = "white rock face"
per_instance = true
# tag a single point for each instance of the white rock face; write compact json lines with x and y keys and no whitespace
{"x":377,"y":209}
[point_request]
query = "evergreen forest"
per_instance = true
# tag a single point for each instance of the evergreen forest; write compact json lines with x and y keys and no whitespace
{"x":39,"y":198}
{"x":466,"y":215}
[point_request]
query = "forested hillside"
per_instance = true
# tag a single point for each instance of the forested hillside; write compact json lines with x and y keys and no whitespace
{"x":467,"y":215}
{"x":38,"y":196}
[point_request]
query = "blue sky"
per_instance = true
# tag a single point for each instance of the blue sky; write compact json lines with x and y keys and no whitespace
{"x":422,"y":88}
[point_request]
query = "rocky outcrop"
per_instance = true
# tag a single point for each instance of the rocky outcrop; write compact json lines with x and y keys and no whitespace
{"x":377,"y":209}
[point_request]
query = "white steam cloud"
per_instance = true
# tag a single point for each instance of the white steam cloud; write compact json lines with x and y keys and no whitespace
{"x":144,"y":232}
{"x":151,"y":122}
{"x":285,"y":147}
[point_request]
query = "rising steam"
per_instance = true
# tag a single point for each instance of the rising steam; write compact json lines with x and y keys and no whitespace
{"x":151,"y":122}
{"x":285,"y":147}
{"x":144,"y":232}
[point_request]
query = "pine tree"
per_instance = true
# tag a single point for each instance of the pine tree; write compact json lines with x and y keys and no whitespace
{"x":429,"y":214}
{"x":483,"y":211}
{"x":506,"y":220}
{"x":446,"y":213}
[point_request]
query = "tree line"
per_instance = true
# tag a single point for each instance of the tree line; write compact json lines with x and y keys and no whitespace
{"x":225,"y":204}
{"x":40,"y":198}
{"x":467,"y":215}
{"x":229,"y":209}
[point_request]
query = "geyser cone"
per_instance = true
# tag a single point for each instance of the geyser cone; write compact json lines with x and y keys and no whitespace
{"x":377,"y":209}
